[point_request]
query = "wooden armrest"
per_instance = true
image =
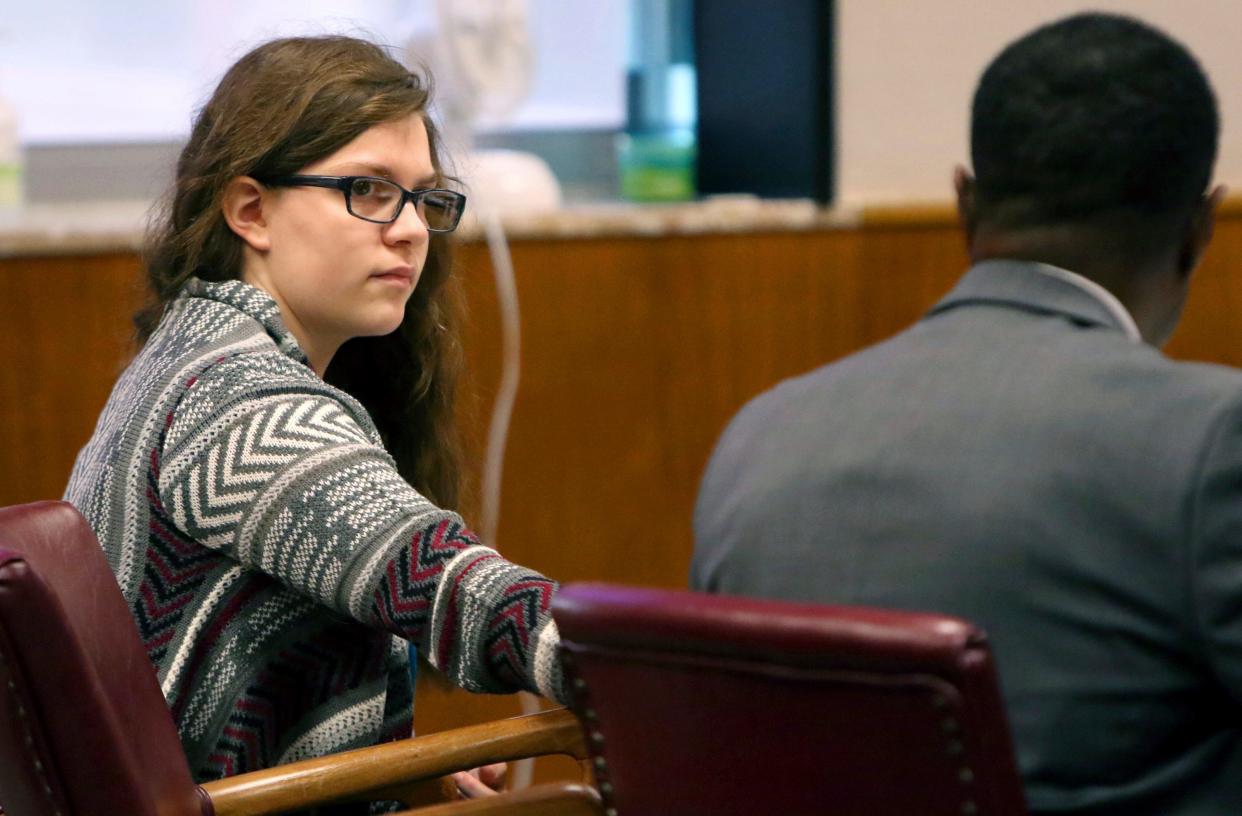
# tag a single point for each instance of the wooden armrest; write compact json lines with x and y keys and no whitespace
{"x":561,"y":799}
{"x":353,"y":774}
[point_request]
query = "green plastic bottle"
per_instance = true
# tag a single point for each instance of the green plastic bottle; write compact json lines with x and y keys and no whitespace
{"x":11,"y":186}
{"x":656,"y":152}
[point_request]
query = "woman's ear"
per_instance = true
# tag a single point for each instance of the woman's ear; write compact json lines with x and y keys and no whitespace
{"x":244,"y":199}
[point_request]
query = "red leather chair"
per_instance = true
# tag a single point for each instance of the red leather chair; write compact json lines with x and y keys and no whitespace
{"x":85,"y":730}
{"x":701,"y":704}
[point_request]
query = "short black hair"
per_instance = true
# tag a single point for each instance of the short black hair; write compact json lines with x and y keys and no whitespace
{"x":1093,"y":114}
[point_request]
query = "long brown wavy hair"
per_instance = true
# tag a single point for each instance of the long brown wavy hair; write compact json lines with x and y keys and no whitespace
{"x":282,"y":106}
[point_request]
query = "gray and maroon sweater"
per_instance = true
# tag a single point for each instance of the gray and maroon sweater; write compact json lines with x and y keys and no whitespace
{"x":274,"y":560}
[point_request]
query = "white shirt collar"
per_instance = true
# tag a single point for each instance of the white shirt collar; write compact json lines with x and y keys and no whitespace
{"x":1106,"y":298}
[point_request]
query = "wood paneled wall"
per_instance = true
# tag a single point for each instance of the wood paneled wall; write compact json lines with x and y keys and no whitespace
{"x":636,"y":352}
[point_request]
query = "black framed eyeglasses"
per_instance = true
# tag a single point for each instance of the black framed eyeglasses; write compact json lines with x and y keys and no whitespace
{"x":381,"y":201}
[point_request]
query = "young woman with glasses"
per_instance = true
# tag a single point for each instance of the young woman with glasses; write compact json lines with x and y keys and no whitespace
{"x":274,"y":474}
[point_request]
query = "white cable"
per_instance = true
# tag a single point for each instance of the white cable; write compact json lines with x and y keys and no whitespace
{"x":502,"y":413}
{"x":487,"y":58}
{"x":510,"y":372}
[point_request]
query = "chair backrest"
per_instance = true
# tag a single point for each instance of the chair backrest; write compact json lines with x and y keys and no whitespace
{"x":696,"y":703}
{"x":84,"y":728}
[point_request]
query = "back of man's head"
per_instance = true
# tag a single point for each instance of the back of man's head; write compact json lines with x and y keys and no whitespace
{"x":1093,"y":115}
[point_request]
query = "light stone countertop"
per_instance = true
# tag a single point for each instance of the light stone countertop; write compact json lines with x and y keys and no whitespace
{"x":103,"y":227}
{"x":73,"y":229}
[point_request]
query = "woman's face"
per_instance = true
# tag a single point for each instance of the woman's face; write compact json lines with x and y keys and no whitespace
{"x":335,"y":276}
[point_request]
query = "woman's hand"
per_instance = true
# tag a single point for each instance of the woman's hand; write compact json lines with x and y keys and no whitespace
{"x":485,"y":781}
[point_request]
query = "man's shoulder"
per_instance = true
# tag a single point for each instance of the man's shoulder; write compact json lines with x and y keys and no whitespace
{"x":1104,"y":357}
{"x":1107,"y":384}
{"x":1158,"y":380}
{"x":837,"y":375}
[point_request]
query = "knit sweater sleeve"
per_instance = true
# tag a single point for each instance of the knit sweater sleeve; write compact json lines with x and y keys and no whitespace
{"x":285,"y":477}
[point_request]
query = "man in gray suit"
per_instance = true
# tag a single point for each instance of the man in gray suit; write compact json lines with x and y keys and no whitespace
{"x":1024,"y":456}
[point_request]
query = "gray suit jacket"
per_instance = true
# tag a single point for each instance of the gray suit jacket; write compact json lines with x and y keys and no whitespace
{"x":1015,"y":459}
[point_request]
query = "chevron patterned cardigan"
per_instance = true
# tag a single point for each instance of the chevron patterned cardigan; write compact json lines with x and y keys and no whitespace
{"x":270,"y":552}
